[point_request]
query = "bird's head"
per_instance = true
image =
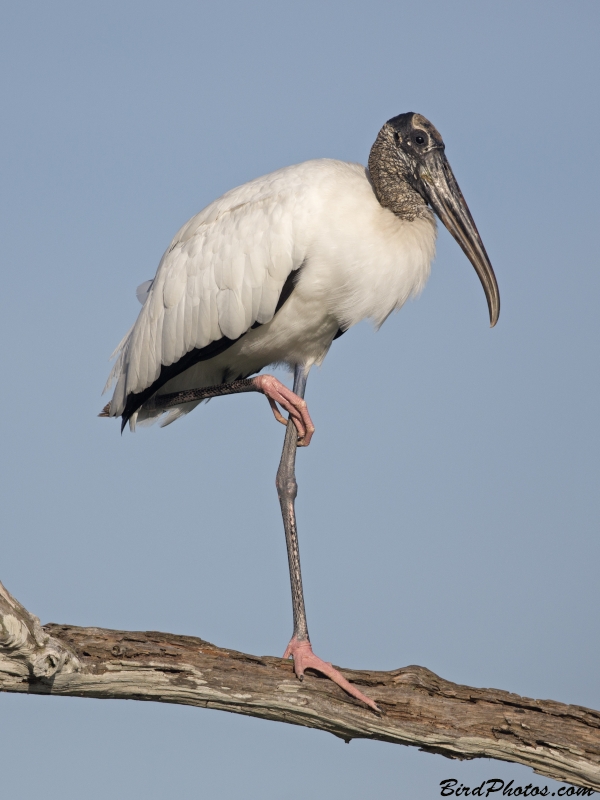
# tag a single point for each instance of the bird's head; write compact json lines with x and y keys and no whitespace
{"x":409,"y":171}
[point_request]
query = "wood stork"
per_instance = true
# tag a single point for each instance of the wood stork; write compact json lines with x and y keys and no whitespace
{"x":273,"y":272}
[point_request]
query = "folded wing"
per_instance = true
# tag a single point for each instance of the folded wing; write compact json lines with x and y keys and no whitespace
{"x":223,"y":273}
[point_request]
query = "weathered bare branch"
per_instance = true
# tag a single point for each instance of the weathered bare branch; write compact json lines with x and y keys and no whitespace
{"x":418,"y":708}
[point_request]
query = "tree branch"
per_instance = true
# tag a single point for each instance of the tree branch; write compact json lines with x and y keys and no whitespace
{"x":418,"y":708}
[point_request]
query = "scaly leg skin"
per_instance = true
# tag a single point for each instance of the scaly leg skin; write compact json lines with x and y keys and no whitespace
{"x":294,"y":404}
{"x":304,"y":658}
{"x":299,"y":432}
{"x":268,"y":385}
{"x":287,"y":489}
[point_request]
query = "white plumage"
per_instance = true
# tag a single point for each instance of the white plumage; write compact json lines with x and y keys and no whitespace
{"x":271,"y":273}
{"x":225,"y":269}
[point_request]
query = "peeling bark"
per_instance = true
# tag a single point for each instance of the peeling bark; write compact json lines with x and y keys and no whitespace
{"x":418,"y":707}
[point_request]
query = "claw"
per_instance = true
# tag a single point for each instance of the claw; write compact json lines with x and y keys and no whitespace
{"x":277,"y":393}
{"x":304,"y":658}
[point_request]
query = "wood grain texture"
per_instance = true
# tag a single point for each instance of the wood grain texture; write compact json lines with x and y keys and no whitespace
{"x":418,"y":707}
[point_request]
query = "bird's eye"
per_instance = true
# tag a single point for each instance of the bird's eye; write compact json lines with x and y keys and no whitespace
{"x":396,"y":136}
{"x":419,"y":137}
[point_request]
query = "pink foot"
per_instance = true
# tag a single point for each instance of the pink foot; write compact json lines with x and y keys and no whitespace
{"x":276,"y":392}
{"x":304,"y":658}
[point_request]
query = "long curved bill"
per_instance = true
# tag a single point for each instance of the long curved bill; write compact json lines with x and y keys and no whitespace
{"x":438,"y":184}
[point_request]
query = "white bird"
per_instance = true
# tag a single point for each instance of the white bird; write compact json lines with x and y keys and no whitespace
{"x":274,"y":271}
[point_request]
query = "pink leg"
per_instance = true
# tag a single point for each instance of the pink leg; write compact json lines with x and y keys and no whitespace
{"x":305,"y":658}
{"x":276,"y":392}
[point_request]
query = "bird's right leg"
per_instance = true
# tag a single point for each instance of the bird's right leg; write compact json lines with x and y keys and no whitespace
{"x":300,"y":647}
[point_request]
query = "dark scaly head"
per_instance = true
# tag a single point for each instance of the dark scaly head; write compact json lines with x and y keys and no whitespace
{"x":409,"y":171}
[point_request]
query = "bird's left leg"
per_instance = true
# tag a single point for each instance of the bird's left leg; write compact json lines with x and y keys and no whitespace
{"x":294,"y":403}
{"x":275,"y":392}
{"x":287,"y":489}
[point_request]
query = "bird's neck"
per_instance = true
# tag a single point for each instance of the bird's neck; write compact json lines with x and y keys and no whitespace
{"x":389,"y":180}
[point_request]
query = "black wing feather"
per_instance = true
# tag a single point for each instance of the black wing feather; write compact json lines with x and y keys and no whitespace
{"x":198,"y":354}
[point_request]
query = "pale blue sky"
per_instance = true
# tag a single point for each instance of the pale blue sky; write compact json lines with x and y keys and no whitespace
{"x":460,"y":471}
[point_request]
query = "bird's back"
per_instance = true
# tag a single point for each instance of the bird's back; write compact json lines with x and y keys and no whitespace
{"x":224,"y":271}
